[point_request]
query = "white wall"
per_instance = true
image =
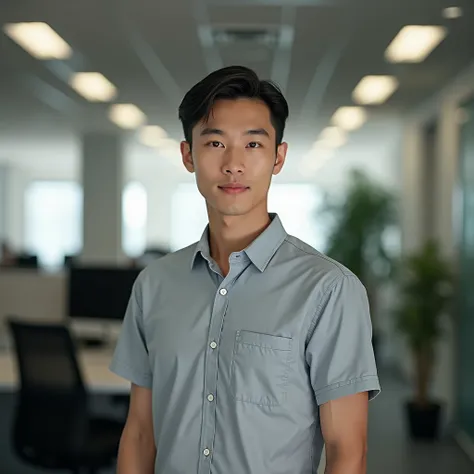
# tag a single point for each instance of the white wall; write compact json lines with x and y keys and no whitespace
{"x":4,"y":172}
{"x":374,"y":149}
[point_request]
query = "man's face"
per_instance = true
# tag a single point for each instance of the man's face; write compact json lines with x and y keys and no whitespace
{"x":234,"y":156}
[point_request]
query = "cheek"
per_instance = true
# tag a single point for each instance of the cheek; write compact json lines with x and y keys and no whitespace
{"x":263,"y":168}
{"x":205,"y":176}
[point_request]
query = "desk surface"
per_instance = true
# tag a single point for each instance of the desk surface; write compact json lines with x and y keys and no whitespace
{"x":94,"y":365}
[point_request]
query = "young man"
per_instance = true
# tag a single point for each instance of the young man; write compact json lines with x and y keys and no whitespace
{"x":248,"y":350}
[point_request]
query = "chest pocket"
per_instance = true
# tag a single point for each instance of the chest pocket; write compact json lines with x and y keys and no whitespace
{"x":260,"y":368}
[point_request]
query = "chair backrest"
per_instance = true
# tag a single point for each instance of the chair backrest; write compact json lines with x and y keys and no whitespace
{"x":52,"y":404}
{"x":46,"y":358}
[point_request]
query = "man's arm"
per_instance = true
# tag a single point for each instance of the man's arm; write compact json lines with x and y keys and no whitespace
{"x":137,"y":446}
{"x":344,"y":428}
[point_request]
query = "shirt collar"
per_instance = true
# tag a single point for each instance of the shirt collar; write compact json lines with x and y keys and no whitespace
{"x":260,"y":251}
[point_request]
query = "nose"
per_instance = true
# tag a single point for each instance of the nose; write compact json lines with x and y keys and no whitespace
{"x":233,"y":162}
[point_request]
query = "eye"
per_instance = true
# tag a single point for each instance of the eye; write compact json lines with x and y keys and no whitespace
{"x":214,"y":144}
{"x":254,"y":145}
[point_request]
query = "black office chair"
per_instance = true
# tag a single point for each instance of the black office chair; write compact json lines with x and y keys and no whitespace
{"x":53,"y":427}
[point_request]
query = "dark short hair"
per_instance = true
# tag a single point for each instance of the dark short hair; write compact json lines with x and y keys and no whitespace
{"x":232,"y":82}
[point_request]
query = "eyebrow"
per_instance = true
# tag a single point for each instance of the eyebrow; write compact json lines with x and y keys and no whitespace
{"x":217,"y":131}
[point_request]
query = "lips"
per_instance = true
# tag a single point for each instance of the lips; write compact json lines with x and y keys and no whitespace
{"x":233,"y":188}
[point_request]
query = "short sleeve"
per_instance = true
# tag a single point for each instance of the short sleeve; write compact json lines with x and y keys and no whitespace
{"x":339,"y":350}
{"x":130,"y":359}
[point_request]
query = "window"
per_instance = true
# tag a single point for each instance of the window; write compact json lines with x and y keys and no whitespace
{"x":296,"y":204}
{"x":189,"y":216}
{"x":135,"y":212}
{"x":53,"y":220}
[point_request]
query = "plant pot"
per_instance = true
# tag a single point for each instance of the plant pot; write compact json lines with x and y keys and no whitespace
{"x":423,"y":422}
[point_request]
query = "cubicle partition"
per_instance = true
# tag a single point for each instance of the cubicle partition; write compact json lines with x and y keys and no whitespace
{"x":31,"y":294}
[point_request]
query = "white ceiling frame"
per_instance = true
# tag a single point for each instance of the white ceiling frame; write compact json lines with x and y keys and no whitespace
{"x":282,"y":57}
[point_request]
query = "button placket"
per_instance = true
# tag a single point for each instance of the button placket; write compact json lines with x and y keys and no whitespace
{"x":219,"y":310}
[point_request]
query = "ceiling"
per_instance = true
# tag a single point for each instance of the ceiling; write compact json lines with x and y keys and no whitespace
{"x":154,"y":51}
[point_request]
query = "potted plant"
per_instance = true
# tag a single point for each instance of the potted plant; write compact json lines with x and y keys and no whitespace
{"x":358,"y":226}
{"x":425,"y":295}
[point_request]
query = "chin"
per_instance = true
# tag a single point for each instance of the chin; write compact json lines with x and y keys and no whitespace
{"x":232,"y":209}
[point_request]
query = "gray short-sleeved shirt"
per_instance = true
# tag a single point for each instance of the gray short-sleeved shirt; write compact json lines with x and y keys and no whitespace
{"x":238,"y":365}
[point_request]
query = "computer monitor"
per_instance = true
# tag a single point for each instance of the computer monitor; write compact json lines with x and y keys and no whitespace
{"x":100,"y":292}
{"x":27,"y":261}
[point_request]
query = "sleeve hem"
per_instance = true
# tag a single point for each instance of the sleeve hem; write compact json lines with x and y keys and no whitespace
{"x":368,"y":383}
{"x":125,"y":371}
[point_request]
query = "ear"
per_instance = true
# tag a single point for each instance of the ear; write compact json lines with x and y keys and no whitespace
{"x":280,"y":158}
{"x":187,"y":156}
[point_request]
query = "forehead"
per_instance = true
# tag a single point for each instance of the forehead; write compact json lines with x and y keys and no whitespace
{"x":238,"y":114}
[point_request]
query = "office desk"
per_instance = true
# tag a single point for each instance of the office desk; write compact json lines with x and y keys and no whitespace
{"x":94,"y":364}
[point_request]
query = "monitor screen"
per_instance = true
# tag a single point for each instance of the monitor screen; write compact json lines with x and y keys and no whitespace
{"x":27,"y":261}
{"x":100,"y":292}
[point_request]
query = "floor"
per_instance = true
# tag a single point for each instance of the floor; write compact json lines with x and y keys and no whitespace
{"x":389,"y":451}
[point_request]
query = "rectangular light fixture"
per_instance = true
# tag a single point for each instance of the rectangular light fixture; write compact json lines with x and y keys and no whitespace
{"x":414,"y":43}
{"x":315,"y":159}
{"x":373,"y":90}
{"x":38,"y":39}
{"x":331,"y":137}
{"x":127,"y":116}
{"x":453,"y":13}
{"x":93,"y":86}
{"x":152,"y":136}
{"x":349,"y":118}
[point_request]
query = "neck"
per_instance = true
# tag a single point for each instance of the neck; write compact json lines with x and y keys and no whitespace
{"x":229,"y":234}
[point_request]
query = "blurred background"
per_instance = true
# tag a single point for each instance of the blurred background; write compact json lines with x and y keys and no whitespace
{"x":380,"y":175}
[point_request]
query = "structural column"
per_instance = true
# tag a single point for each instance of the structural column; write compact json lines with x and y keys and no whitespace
{"x":4,"y":171}
{"x":102,"y":180}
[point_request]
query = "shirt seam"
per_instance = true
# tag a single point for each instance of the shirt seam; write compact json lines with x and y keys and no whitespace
{"x":120,"y":361}
{"x":321,"y":303}
{"x":323,"y":298}
{"x":137,"y":283}
{"x":318,"y":255}
{"x":336,"y":385}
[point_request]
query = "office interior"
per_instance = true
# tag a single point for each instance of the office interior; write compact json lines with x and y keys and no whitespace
{"x":92,"y":188}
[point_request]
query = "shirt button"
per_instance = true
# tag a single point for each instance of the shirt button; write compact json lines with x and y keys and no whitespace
{"x":223,"y":292}
{"x":213,"y":345}
{"x":210,"y":397}
{"x":206,"y":452}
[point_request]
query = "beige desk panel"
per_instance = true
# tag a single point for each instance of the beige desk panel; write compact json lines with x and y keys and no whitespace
{"x":94,"y":366}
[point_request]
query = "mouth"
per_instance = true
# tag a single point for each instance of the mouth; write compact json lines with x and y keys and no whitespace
{"x":234,"y":189}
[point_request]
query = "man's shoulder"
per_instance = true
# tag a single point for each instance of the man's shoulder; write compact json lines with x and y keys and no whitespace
{"x":174,"y":261}
{"x":310,"y":259}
